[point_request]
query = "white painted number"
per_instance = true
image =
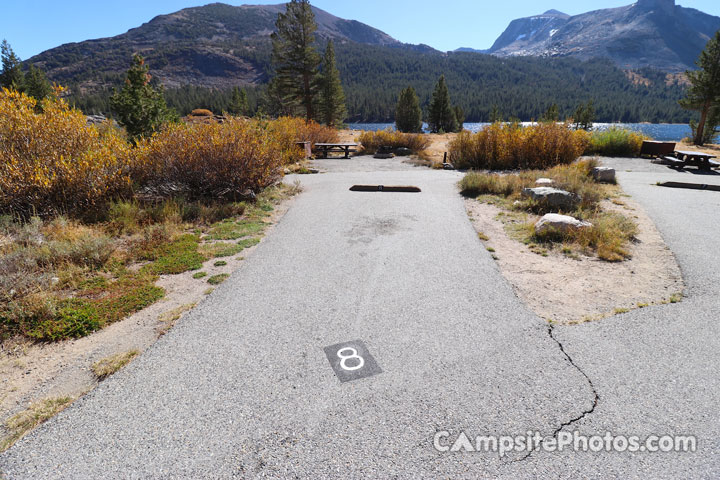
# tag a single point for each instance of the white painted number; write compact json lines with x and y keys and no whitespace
{"x":345,"y":358}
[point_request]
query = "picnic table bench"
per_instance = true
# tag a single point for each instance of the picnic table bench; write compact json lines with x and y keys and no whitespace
{"x":654,"y":148}
{"x":325,"y":148}
{"x":697,"y":159}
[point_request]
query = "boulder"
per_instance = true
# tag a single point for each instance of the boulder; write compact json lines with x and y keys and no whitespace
{"x":604,"y":174}
{"x":553,"y":198}
{"x":544,"y":182}
{"x":403,"y":152}
{"x":560,"y":223}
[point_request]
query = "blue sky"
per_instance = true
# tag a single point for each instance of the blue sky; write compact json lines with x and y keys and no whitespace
{"x":32,"y":26}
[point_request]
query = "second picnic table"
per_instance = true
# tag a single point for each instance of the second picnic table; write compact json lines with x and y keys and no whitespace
{"x":326,"y":148}
{"x":698,"y":159}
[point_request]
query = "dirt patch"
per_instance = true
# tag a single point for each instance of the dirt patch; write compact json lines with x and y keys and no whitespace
{"x":709,"y":148}
{"x":31,"y":372}
{"x":572,"y":290}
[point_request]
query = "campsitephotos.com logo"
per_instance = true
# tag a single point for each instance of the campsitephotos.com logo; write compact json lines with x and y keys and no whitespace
{"x":445,"y":442}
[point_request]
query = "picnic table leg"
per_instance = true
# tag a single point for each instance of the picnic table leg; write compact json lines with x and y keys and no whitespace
{"x":347,"y":152}
{"x":325,"y":152}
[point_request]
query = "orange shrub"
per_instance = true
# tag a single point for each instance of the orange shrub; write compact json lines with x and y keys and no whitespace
{"x":228,"y":160}
{"x":298,"y":130}
{"x":510,"y":146}
{"x":53,"y":162}
{"x":372,"y":141}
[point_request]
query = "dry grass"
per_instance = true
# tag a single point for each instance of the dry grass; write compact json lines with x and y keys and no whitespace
{"x":372,"y":141}
{"x":109,"y":365}
{"x":20,"y":424}
{"x":61,"y":279}
{"x":510,"y":146}
{"x":610,"y":236}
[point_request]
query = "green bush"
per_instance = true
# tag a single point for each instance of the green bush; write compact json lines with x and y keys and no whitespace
{"x":615,"y":142}
{"x":75,"y":318}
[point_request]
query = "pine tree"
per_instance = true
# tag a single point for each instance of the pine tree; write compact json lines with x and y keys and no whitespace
{"x":459,"y":118}
{"x":332,"y":108}
{"x":140,"y":107}
{"x":12,"y":75}
{"x":495,"y":115}
{"x":552,"y":114}
{"x":704,"y":91}
{"x":408,"y":114}
{"x":37,"y":85}
{"x":294,"y":56}
{"x":585,"y":116}
{"x":441,"y":116}
{"x":239,"y":102}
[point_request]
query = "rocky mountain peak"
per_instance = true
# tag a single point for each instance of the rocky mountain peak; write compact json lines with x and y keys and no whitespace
{"x":648,"y":33}
{"x":667,"y":6}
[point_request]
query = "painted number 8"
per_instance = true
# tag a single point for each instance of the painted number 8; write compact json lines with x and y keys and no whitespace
{"x":345,"y":358}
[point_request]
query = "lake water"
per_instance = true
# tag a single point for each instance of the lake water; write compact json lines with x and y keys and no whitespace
{"x":665,"y":132}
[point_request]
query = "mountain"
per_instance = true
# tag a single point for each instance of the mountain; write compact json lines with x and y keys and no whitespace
{"x":649,"y":33}
{"x":216,"y":45}
{"x":200,"y":53}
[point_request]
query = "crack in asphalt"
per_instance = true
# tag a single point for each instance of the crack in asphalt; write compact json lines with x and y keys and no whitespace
{"x":582,"y":415}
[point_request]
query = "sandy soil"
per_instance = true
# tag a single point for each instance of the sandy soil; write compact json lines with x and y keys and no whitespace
{"x":567,"y":290}
{"x":30,"y":372}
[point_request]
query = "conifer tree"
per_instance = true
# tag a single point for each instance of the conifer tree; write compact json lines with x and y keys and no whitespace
{"x":140,"y":107}
{"x":441,"y":115}
{"x":459,"y":118}
{"x":239,"y":102}
{"x":36,"y":84}
{"x":552,"y":114}
{"x":585,"y":116}
{"x":704,"y":92}
{"x":332,"y":108}
{"x":294,"y":56}
{"x":495,"y":115}
{"x":12,"y":75}
{"x":408,"y":114}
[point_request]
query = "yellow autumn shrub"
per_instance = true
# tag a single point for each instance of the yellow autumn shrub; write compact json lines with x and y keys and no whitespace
{"x":372,"y":141}
{"x":53,"y":162}
{"x":295,"y":129}
{"x":215,"y":161}
{"x":511,"y":146}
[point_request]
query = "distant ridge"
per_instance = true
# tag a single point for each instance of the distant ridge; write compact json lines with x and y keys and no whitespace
{"x":648,"y":33}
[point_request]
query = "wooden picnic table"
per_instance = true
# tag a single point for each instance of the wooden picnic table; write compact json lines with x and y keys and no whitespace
{"x":326,"y":148}
{"x":698,"y":159}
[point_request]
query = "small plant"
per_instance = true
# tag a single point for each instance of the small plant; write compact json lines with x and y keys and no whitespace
{"x":218,"y":279}
{"x":619,"y":311}
{"x":483,"y":237}
{"x":20,"y":424}
{"x":109,"y":365}
{"x":220,"y":263}
{"x":490,"y":249}
{"x":200,"y":275}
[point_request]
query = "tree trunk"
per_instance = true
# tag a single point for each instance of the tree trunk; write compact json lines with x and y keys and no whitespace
{"x":700,"y":133}
{"x":308,"y":98}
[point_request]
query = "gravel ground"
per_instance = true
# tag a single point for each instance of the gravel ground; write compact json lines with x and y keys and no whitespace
{"x":242,"y":388}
